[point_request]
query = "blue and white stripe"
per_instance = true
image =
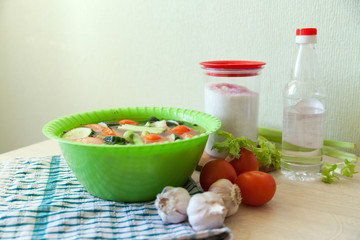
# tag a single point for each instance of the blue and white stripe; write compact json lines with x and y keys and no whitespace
{"x":40,"y":198}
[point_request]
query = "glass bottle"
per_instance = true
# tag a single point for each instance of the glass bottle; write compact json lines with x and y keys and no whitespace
{"x":303,"y":113}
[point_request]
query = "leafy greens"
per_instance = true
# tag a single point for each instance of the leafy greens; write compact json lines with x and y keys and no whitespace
{"x":266,"y":152}
{"x":330,"y":171}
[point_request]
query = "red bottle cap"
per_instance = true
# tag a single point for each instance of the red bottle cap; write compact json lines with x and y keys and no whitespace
{"x":306,"y":31}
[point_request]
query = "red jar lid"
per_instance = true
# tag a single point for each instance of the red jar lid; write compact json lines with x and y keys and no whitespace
{"x":232,"y":64}
{"x":232,"y":68}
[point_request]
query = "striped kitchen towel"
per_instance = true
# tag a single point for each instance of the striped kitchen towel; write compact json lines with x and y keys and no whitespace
{"x":40,"y":198}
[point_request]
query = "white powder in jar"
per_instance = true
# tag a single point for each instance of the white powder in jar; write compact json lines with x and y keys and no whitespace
{"x":236,"y":107}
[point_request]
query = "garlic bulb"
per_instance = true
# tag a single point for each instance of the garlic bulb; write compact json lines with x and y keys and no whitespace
{"x":206,"y":211}
{"x":230,"y":194}
{"x":172,"y":203}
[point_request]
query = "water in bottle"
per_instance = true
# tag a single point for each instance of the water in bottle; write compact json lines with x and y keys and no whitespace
{"x":303,"y":114}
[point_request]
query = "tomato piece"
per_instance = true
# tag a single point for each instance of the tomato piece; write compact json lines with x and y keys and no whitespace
{"x":108,"y":132}
{"x":128,"y":121}
{"x":257,"y":188}
{"x":215,"y":170}
{"x":246,"y":162}
{"x":180,"y":129}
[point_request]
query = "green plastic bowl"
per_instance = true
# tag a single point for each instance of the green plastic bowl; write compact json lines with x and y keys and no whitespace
{"x":132,"y":173}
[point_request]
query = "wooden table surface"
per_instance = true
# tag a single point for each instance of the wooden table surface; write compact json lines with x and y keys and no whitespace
{"x":299,"y":210}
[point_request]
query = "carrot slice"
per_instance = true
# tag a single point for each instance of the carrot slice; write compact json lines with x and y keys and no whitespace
{"x":128,"y":121}
{"x":179,"y":130}
{"x":108,"y":132}
{"x":151,"y":138}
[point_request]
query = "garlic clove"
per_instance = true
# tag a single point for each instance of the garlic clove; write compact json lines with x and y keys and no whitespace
{"x":172,"y":203}
{"x":206,"y":211}
{"x":230,"y":194}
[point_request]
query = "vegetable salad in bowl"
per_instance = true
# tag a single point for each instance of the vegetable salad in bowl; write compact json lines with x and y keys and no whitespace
{"x":128,"y":131}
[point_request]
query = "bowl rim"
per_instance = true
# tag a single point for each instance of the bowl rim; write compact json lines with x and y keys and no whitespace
{"x":48,"y":128}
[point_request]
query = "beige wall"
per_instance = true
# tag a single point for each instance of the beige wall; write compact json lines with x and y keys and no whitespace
{"x":62,"y":56}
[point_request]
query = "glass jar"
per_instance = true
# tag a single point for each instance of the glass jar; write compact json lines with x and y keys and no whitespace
{"x":231,"y":93}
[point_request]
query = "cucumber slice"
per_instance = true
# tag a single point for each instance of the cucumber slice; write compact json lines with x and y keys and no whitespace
{"x":76,"y":133}
{"x":172,"y":123}
{"x":108,"y":124}
{"x":115,"y":140}
{"x":132,"y":137}
{"x":135,"y":128}
{"x":153,"y":119}
{"x":158,"y":124}
{"x":173,"y":137}
{"x":137,"y":139}
{"x":111,"y":124}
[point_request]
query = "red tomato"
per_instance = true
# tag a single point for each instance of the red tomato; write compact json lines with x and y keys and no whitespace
{"x":215,"y":170}
{"x":257,"y":188}
{"x":246,"y":162}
